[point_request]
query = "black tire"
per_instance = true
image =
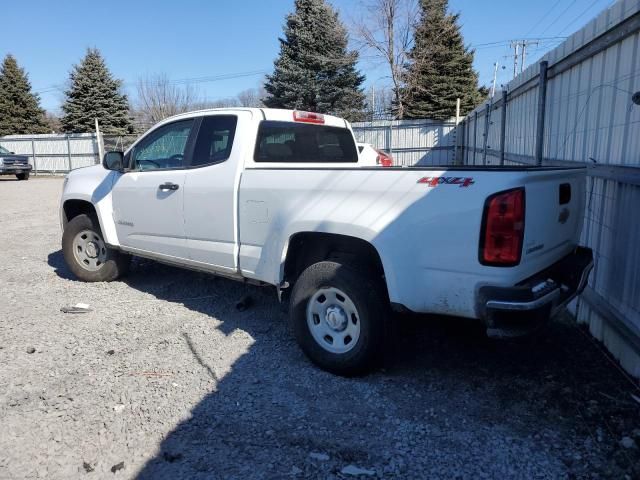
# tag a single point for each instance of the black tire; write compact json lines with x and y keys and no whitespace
{"x":115,"y":263}
{"x":371,"y":301}
{"x":22,"y":176}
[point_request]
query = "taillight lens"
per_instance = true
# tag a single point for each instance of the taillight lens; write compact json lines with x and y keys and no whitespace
{"x":384,"y":159}
{"x":503,"y":232}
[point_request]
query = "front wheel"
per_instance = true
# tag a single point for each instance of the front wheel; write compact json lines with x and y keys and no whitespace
{"x":338,"y":316}
{"x":22,"y":176}
{"x":87,"y":255}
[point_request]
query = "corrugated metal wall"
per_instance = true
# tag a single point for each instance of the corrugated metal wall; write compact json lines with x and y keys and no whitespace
{"x":55,"y":152}
{"x":590,"y":119}
{"x":411,"y":142}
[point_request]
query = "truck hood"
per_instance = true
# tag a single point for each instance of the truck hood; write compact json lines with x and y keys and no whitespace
{"x":86,"y":173}
{"x":89,"y":183}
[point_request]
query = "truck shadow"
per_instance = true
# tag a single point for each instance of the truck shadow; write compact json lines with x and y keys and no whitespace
{"x":443,"y":388}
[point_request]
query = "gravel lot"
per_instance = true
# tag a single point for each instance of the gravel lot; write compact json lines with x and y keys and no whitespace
{"x":165,"y":378}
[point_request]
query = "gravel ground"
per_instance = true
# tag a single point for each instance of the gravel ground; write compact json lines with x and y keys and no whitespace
{"x":165,"y":378}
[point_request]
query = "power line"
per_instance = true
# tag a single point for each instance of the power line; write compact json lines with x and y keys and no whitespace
{"x":521,"y":49}
{"x":180,"y":81}
{"x":543,"y":17}
{"x":559,"y":16}
{"x":503,"y":43}
{"x":580,"y":16}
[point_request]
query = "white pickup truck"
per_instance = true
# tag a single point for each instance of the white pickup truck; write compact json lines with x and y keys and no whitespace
{"x":276,"y":197}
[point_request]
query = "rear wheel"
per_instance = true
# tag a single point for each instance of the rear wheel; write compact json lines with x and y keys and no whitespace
{"x":338,"y":315}
{"x":23,"y":176}
{"x":87,"y":255}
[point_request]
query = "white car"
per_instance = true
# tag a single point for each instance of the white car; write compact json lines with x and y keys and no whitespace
{"x":277,"y":197}
{"x":373,"y":157}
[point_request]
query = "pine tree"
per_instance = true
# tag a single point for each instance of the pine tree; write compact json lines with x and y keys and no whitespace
{"x":20,"y":111}
{"x":315,"y":71}
{"x":441,"y":67}
{"x":95,"y":93}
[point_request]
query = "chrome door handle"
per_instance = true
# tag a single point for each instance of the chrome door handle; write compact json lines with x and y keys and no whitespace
{"x":168,"y":186}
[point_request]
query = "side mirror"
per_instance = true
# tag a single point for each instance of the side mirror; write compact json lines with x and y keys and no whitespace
{"x":113,"y":161}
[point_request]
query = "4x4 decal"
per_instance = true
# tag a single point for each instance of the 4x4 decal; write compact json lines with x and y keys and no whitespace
{"x":435,"y":181}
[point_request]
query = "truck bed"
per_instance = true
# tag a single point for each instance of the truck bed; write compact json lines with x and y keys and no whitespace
{"x":424,"y":221}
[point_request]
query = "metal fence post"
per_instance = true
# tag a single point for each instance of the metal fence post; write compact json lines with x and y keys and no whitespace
{"x":503,"y":125}
{"x":69,"y":152}
{"x":542,"y":103}
{"x":487,"y":115}
{"x":467,"y":124}
{"x":33,"y":153}
{"x":463,"y":132}
{"x":475,"y":135}
{"x":456,"y":145}
{"x":100,"y":142}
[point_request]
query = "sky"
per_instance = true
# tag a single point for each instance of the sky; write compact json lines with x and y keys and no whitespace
{"x":204,"y":40}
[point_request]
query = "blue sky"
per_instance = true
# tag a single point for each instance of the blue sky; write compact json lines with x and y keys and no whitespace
{"x":195,"y":39}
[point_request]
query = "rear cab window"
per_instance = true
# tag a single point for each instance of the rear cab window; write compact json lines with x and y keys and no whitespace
{"x":289,"y":142}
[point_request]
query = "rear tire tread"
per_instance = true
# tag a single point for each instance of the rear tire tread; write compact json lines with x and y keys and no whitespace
{"x":370,"y":299}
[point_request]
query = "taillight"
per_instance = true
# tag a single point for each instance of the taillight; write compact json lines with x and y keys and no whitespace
{"x":503,"y":229}
{"x":308,"y":117}
{"x":384,"y":159}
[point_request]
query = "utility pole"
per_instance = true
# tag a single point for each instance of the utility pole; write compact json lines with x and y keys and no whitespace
{"x":495,"y":77}
{"x":522,"y":57}
{"x":516,"y":48}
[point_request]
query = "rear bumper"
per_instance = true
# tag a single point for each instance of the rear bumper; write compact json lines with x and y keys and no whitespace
{"x":512,"y":311}
{"x":13,"y":169}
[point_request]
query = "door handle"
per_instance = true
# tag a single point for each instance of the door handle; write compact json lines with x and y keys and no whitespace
{"x":168,"y":186}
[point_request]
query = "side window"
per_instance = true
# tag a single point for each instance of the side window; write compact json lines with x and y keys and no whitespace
{"x":164,"y":148}
{"x":298,"y":142}
{"x":215,"y":140}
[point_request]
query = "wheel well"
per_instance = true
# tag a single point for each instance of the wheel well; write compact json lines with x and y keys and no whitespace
{"x":308,"y":248}
{"x":73,"y":208}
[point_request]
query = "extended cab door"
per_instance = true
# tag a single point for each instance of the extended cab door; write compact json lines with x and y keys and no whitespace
{"x":148,"y":200}
{"x":211,"y":191}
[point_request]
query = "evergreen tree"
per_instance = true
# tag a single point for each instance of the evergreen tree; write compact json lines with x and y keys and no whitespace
{"x":441,"y":67}
{"x":20,"y":111}
{"x":95,"y":93}
{"x":314,"y":70}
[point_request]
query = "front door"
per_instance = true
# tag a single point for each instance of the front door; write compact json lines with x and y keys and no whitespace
{"x":148,"y":200}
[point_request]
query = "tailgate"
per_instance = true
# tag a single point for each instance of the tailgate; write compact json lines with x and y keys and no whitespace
{"x":554,"y":214}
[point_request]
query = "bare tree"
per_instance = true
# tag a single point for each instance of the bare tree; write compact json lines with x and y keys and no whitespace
{"x":221,"y":103}
{"x":53,"y":122}
{"x":387,"y":31}
{"x":252,"y":97}
{"x":159,"y":98}
{"x":380,"y":102}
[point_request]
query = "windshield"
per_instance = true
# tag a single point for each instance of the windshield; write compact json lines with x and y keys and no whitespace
{"x":4,"y":150}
